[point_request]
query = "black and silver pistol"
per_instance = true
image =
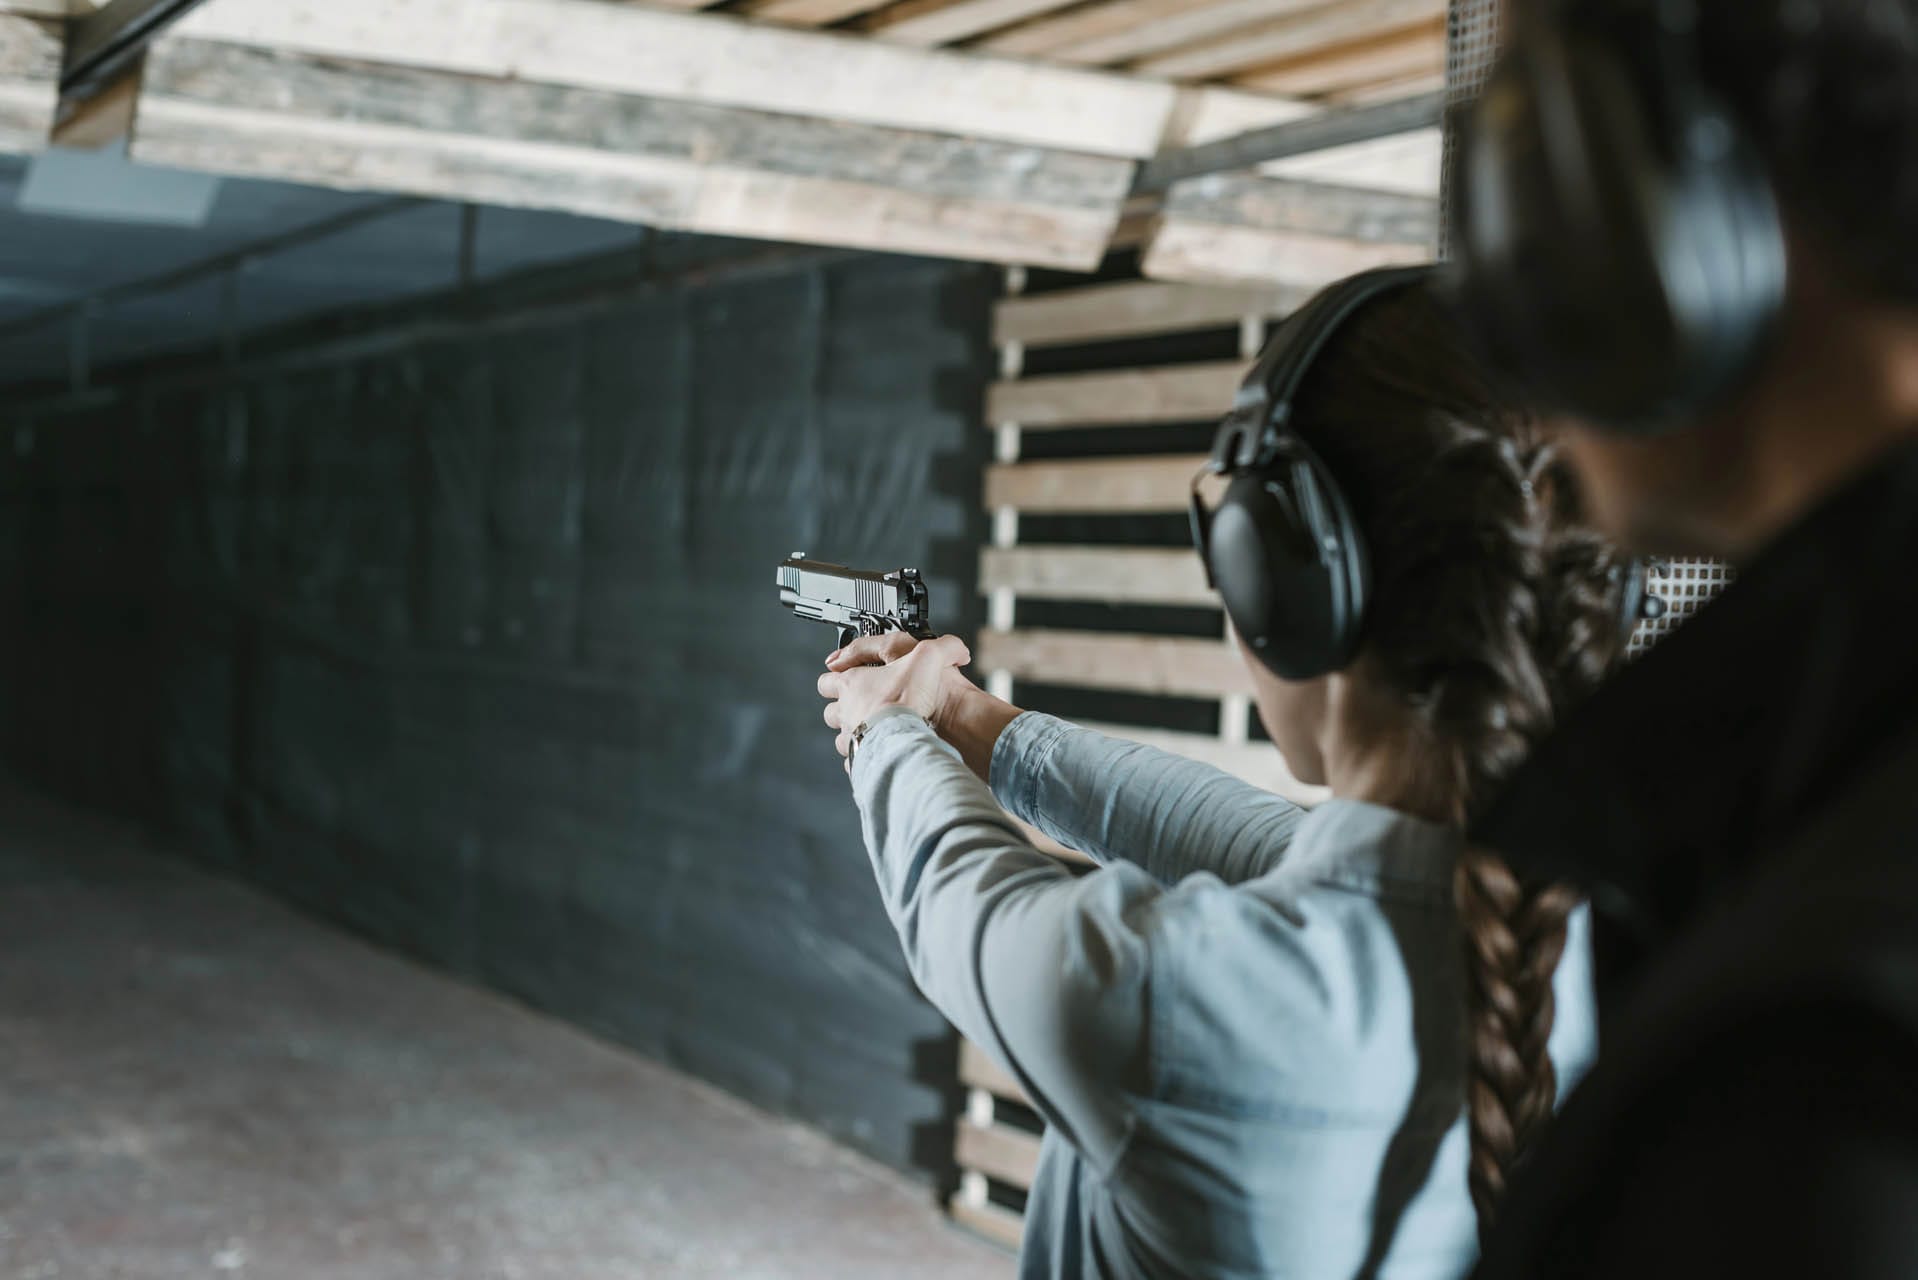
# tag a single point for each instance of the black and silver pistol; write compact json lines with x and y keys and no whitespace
{"x":860,"y":602}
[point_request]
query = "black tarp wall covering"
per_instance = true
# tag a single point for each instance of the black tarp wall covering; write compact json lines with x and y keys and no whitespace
{"x":472,"y":645}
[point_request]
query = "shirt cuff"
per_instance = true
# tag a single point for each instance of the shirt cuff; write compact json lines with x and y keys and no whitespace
{"x":1019,"y":760}
{"x":888,"y":727}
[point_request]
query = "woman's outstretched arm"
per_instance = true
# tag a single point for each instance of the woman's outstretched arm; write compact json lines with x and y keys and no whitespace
{"x":1110,"y":799}
{"x":1045,"y":970}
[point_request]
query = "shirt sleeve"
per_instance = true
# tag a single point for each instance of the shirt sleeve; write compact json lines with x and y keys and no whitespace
{"x":1116,"y":800}
{"x":1045,"y":970}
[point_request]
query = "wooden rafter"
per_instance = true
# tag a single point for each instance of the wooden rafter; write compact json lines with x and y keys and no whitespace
{"x":672,"y":164}
{"x":1247,"y":227}
{"x":1392,"y":57}
{"x":713,"y":59}
{"x":1214,"y":19}
{"x":808,"y":13}
{"x":1290,"y":36}
{"x":936,"y":22}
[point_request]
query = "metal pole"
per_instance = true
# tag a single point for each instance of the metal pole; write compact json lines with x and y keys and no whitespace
{"x":469,"y":244}
{"x":1293,"y":138}
{"x":105,"y":43}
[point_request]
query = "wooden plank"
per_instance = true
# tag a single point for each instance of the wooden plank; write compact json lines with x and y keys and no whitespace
{"x":808,"y":13}
{"x":714,"y":59}
{"x":670,"y":164}
{"x":993,"y":1221}
{"x":1131,"y":309}
{"x":1417,"y":50}
{"x":30,"y":53}
{"x":1174,"y":30}
{"x":1111,"y":485}
{"x":1246,"y":227}
{"x":1280,"y":204}
{"x":593,"y":120}
{"x":1258,"y":763}
{"x":1172,"y":665}
{"x":1040,"y":38}
{"x":998,"y":1151}
{"x":935,"y":22}
{"x":977,"y":1069}
{"x":1207,"y":252}
{"x":1388,"y":91}
{"x":1118,"y":575}
{"x":1175,"y":393}
{"x":1408,"y":164}
{"x":1286,"y":37}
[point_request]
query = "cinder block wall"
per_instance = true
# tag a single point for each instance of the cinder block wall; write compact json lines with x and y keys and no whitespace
{"x":465,"y":637}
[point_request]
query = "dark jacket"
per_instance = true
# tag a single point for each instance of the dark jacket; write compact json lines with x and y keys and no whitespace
{"x":1742,"y":807}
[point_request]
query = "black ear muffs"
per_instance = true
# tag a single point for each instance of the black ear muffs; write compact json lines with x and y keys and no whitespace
{"x":1292,"y":569}
{"x":1282,"y":546}
{"x":1619,"y":249}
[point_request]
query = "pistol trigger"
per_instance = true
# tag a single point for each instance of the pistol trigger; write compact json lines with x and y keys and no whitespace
{"x":847,"y":635}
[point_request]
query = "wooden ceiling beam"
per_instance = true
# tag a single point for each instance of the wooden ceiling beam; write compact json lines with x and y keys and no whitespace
{"x":1247,"y":228}
{"x":807,"y":13}
{"x":1041,"y":38}
{"x":1291,"y":36}
{"x":713,"y":59}
{"x":1159,"y":32}
{"x":672,"y":164}
{"x":935,"y":22}
{"x":1390,"y":56}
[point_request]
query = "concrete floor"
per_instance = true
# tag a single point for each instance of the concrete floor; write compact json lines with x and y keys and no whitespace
{"x":195,"y":1082}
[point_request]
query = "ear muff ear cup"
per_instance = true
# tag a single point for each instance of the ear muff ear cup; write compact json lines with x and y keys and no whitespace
{"x":1619,"y":245}
{"x":1290,"y":566}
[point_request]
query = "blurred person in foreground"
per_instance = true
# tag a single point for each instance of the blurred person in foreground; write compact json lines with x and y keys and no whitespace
{"x":1691,"y":229}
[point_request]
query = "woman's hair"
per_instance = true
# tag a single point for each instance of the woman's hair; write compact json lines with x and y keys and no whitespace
{"x":1493,"y":609}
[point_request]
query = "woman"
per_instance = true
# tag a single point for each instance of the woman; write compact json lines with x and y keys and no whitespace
{"x":1271,"y":1042}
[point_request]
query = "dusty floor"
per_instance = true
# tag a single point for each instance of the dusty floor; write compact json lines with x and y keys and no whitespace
{"x":195,"y":1083}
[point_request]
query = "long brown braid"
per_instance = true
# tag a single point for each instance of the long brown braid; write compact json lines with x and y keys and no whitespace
{"x":1494,"y":609}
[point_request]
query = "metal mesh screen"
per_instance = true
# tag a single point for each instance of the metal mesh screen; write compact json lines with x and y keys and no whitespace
{"x":1473,"y":29}
{"x":1471,"y":44}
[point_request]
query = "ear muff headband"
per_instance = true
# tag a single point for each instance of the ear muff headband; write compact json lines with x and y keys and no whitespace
{"x":1619,"y":245}
{"x":1283,"y":548}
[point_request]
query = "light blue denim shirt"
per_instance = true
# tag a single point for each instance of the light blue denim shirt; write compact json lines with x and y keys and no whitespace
{"x":1245,"y":1031}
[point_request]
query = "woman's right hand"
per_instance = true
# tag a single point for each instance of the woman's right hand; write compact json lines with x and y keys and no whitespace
{"x":966,"y":716}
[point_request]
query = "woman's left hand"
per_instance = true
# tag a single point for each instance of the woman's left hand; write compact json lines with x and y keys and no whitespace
{"x":922,"y":676}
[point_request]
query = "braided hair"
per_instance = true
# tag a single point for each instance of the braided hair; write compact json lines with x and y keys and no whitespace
{"x":1494,"y":608}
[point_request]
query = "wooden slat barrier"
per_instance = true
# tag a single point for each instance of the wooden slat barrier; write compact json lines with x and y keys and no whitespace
{"x":1115,"y":485}
{"x":1129,"y":310}
{"x":1180,"y":393}
{"x":1138,"y":664}
{"x":998,"y":1151}
{"x":977,"y":1070}
{"x":988,"y":1148}
{"x":994,"y":1150}
{"x":1128,"y":575}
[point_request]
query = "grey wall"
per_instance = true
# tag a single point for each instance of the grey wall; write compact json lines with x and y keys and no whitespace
{"x":470,"y":643}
